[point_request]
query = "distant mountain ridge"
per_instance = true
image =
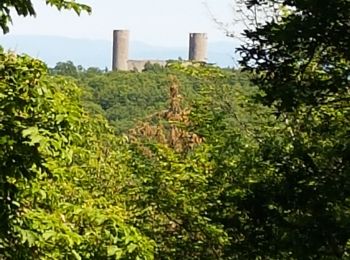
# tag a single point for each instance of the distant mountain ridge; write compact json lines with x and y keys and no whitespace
{"x":98,"y":53}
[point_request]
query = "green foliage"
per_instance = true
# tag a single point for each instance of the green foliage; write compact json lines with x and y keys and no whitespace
{"x":26,"y":8}
{"x":304,"y":56}
{"x":205,"y":172}
{"x":171,"y":199}
{"x":258,"y":183}
{"x":278,"y":187}
{"x":65,"y":69}
{"x":153,"y":67}
{"x":287,"y":206}
{"x":30,"y":129}
{"x":127,"y":97}
{"x":50,"y":209}
{"x":182,"y":198}
{"x":301,"y":62}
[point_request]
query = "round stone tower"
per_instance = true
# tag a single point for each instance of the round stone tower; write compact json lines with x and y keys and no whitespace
{"x":120,"y":50}
{"x":198,"y":47}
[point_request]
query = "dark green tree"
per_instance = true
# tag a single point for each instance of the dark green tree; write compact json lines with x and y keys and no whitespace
{"x":304,"y":56}
{"x":65,"y":69}
{"x":296,"y":206}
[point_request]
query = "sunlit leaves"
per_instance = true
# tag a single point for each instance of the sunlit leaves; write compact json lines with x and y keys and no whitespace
{"x":59,"y":191}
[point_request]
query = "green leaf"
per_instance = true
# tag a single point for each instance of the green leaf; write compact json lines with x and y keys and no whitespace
{"x":112,"y":250}
{"x":76,"y":255}
{"x":48,"y":234}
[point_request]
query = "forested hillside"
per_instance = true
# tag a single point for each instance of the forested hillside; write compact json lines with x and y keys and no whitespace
{"x":125,"y":98}
{"x":187,"y":161}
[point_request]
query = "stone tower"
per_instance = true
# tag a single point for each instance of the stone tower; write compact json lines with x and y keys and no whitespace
{"x":198,"y":47}
{"x":120,"y":50}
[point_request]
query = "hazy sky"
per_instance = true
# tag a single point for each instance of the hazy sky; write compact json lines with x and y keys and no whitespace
{"x":158,"y":22}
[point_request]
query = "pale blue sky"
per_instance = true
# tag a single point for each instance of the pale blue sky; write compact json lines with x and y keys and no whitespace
{"x":158,"y":22}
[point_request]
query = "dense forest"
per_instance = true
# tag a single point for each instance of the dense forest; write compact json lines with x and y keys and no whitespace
{"x":183,"y":161}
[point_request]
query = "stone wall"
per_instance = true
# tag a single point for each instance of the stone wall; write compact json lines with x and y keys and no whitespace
{"x":139,"y":65}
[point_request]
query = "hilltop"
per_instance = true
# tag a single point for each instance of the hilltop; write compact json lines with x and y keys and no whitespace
{"x":98,"y":53}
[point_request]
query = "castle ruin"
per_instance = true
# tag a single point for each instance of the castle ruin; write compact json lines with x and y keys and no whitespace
{"x":121,"y":62}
